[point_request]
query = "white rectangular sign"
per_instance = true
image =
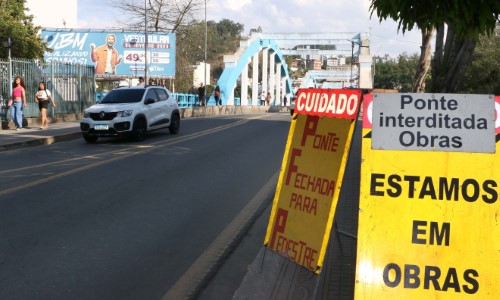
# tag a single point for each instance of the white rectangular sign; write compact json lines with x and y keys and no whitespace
{"x":434,"y":122}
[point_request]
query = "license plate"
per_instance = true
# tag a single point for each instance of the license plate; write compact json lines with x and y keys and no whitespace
{"x":101,"y":127}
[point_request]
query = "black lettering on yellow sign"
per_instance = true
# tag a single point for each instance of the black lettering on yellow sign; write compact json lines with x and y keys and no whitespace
{"x":437,"y":235}
{"x":427,"y":187}
{"x":431,"y":277}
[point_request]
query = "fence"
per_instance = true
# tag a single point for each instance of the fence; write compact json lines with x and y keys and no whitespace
{"x":72,"y":85}
{"x":192,"y":100}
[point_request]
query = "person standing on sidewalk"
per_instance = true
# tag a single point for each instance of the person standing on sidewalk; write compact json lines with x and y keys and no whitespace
{"x":201,"y":94}
{"x":43,"y":97}
{"x":269,"y":98}
{"x":263,"y":98}
{"x":18,"y":102}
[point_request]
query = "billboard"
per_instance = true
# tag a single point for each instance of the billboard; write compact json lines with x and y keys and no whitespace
{"x":115,"y":53}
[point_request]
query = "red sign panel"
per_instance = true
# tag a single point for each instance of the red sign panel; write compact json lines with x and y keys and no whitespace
{"x":337,"y":103}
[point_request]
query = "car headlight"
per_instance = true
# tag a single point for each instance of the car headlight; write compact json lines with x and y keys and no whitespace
{"x":124,"y":113}
{"x":86,"y":114}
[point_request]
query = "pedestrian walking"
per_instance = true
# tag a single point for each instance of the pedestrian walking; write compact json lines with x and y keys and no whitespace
{"x":218,"y":101}
{"x":201,"y":94}
{"x":268,"y":98}
{"x":44,"y":98}
{"x":18,"y":102}
{"x":263,"y":98}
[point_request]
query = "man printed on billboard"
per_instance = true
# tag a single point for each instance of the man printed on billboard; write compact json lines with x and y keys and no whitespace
{"x":106,"y":57}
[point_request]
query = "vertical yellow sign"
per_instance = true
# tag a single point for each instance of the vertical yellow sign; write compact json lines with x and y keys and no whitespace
{"x":309,"y":184}
{"x":429,"y":223}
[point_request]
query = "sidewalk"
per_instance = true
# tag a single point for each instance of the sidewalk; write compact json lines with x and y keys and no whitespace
{"x":32,"y":135}
{"x":271,"y":276}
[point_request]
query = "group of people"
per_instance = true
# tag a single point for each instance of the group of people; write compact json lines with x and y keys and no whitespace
{"x":17,"y":102}
{"x":265,"y":99}
{"x":202,"y":95}
{"x":141,"y":81}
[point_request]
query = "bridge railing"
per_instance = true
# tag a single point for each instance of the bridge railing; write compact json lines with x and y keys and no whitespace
{"x":192,"y":100}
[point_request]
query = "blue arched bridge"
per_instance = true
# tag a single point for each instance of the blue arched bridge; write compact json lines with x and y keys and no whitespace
{"x":324,"y":54}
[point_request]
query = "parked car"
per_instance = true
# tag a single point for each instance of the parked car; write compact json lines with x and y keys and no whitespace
{"x":131,"y":111}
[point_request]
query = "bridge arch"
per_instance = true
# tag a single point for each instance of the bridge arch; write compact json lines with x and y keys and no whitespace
{"x":274,"y":78}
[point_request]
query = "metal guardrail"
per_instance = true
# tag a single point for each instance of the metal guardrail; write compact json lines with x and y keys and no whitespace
{"x":192,"y":100}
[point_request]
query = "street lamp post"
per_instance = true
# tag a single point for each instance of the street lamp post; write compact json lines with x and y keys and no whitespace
{"x":352,"y":56}
{"x":206,"y":40}
{"x":7,"y":43}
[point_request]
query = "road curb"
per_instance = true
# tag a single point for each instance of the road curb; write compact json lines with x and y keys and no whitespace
{"x":42,"y":141}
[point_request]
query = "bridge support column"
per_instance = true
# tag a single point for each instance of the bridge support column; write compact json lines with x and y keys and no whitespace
{"x":277,"y":100}
{"x":283,"y":88}
{"x":265,"y":59}
{"x":272,"y":77}
{"x":244,"y":86}
{"x":255,"y":79}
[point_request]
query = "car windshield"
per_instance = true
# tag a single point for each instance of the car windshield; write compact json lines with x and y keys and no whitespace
{"x":124,"y":96}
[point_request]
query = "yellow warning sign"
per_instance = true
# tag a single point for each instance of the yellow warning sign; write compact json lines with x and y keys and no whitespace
{"x":309,"y":184}
{"x":429,"y":223}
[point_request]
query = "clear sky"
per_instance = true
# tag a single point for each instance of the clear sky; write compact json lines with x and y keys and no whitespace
{"x":279,"y":16}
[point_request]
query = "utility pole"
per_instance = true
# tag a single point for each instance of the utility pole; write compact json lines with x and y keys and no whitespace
{"x":146,"y":42}
{"x":206,"y":42}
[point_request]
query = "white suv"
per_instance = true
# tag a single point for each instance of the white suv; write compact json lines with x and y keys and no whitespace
{"x":131,"y":111}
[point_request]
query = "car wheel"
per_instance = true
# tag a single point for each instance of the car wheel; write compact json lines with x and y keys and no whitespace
{"x":140,"y":129}
{"x":175,"y":124}
{"x":89,"y":138}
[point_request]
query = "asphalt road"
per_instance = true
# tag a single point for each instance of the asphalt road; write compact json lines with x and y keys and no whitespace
{"x":127,"y":220}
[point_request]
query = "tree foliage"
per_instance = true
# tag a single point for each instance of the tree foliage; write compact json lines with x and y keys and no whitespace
{"x":18,"y":25}
{"x":182,"y":18}
{"x":465,"y":20}
{"x":482,"y":75}
{"x":469,"y":18}
{"x":396,"y":74}
{"x":163,"y":15}
{"x":222,"y":38}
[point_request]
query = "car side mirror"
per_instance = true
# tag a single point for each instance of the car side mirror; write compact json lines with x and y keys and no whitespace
{"x":149,"y":101}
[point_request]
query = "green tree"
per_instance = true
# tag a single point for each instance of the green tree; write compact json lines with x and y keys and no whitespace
{"x":255,"y":30}
{"x":163,"y":15}
{"x":464,"y":21}
{"x":180,"y":17}
{"x":482,"y":75}
{"x":396,"y":74}
{"x":223,"y":38}
{"x":18,"y":25}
